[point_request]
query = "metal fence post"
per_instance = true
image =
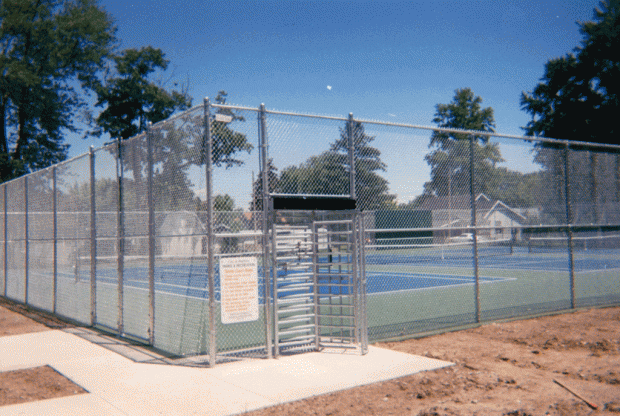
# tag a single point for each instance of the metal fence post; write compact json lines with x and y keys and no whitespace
{"x":474,"y":227}
{"x":151,"y":230}
{"x":120,"y":237}
{"x":55,"y":236}
{"x":569,"y":225}
{"x":93,"y":241}
{"x":351,"y":138}
{"x":6,"y":239}
{"x":210,"y":237}
{"x":26,"y":245}
{"x":262,"y":136}
{"x":362,"y":260}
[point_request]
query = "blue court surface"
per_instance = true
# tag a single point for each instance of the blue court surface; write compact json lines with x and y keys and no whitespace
{"x":502,"y":258}
{"x":191,"y":281}
{"x":385,"y":271}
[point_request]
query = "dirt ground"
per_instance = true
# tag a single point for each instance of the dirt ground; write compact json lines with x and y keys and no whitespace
{"x":37,"y":383}
{"x":500,"y":369}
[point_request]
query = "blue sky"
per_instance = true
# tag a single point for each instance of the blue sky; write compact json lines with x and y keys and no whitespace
{"x":384,"y":60}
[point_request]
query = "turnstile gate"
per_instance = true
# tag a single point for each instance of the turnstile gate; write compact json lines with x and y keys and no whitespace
{"x":319,"y":288}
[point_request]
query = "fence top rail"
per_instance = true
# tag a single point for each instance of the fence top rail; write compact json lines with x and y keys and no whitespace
{"x":569,"y":144}
{"x":541,"y":227}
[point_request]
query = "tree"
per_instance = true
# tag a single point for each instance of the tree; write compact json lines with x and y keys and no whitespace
{"x":49,"y":49}
{"x":319,"y":175}
{"x":329,"y":172}
{"x":372,"y":190}
{"x":131,"y":100}
{"x":257,"y":193}
{"x":578,"y":99}
{"x":227,"y":142}
{"x":450,"y":159}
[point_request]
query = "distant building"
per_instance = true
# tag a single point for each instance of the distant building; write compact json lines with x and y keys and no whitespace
{"x":454,"y":215}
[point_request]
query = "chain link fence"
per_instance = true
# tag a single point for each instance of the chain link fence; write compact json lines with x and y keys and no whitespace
{"x":460,"y":227}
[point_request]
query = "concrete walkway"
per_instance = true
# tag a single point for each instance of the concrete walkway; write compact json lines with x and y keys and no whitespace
{"x":118,"y":385}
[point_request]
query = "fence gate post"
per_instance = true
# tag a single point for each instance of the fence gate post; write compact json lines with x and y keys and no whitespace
{"x":264,"y":163}
{"x":210,"y":238}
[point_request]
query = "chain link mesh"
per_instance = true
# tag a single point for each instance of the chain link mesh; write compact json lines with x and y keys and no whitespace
{"x":237,"y":221}
{"x":106,"y":231}
{"x":3,"y":242}
{"x":41,"y":239}
{"x":181,"y":305}
{"x":308,"y":155}
{"x":16,"y":210}
{"x":514,"y":228}
{"x":73,"y":239}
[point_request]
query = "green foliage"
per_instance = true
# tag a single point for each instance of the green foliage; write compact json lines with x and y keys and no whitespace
{"x":450,"y":159}
{"x":227,"y":142}
{"x":49,"y":47}
{"x":578,"y":97}
{"x":130,"y":99}
{"x":329,"y":172}
{"x":319,"y":175}
{"x":257,"y":194}
{"x":223,"y":203}
{"x":372,"y":190}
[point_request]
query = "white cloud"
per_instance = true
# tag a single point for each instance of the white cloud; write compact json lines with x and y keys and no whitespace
{"x":329,"y":87}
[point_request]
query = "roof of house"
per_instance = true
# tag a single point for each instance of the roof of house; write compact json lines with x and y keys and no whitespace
{"x":455,"y":202}
{"x":463,"y":202}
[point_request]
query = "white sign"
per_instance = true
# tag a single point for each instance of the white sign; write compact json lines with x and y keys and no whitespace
{"x":239,"y":281}
{"x":223,"y":118}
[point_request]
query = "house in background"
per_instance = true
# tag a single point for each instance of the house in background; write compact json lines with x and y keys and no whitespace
{"x":451,"y":217}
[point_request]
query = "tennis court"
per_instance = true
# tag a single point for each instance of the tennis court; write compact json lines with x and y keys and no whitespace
{"x":388,"y":268}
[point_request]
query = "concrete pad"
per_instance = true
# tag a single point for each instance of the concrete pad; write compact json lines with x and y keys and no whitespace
{"x":81,"y":404}
{"x":295,"y":377}
{"x":40,"y":348}
{"x":121,"y":386}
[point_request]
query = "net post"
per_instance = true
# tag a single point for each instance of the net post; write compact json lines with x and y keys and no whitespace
{"x":151,"y":231}
{"x":474,"y":227}
{"x":210,"y":237}
{"x":569,"y":224}
{"x":26,"y":247}
{"x":93,"y":241}
{"x":264,"y":160}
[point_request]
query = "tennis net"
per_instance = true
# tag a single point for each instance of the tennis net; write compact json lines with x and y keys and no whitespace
{"x":433,"y":253}
{"x":583,"y":243}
